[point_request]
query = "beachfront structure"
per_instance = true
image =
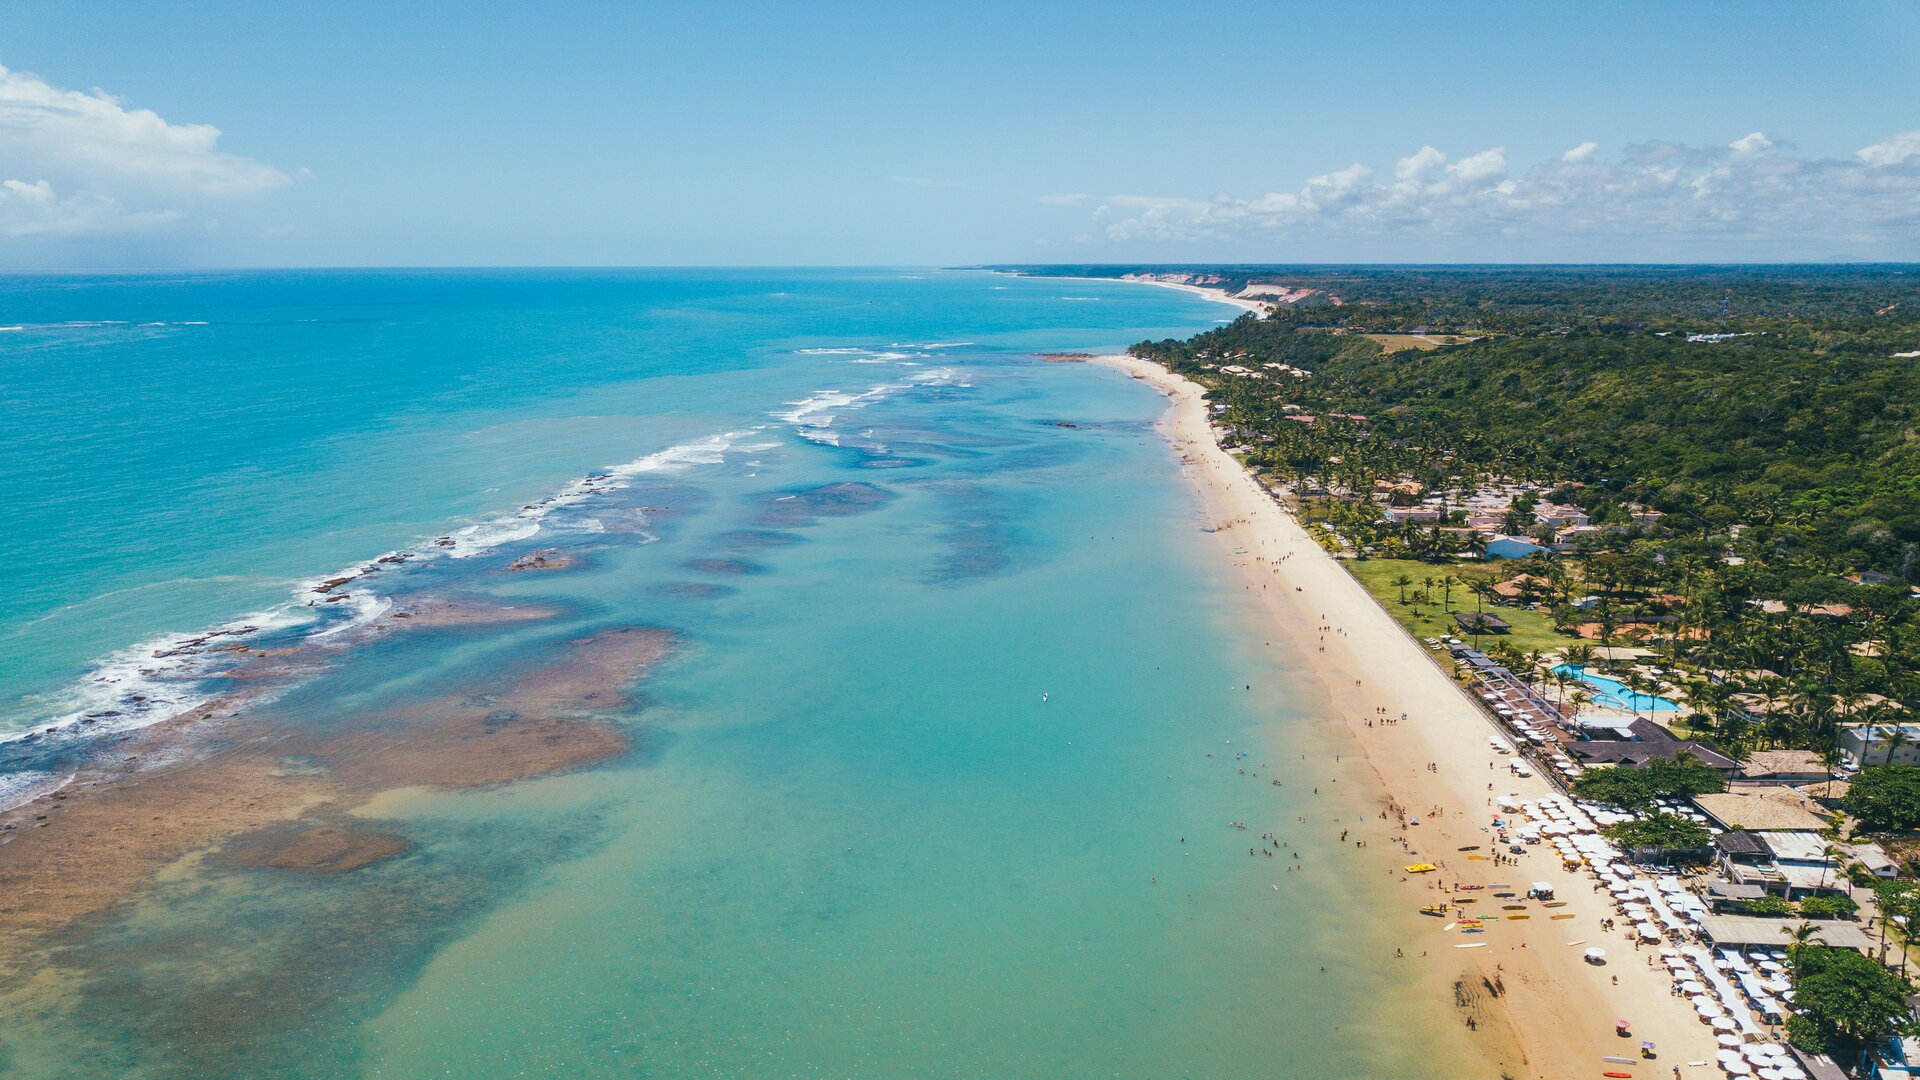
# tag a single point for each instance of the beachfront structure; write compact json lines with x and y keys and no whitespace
{"x":1803,"y":860}
{"x":1748,"y":930}
{"x":1638,"y":742}
{"x":1479,"y":622}
{"x":1783,"y":767}
{"x":1776,"y":810}
{"x":1873,"y":744}
{"x":1876,"y":860}
{"x":1898,"y":1058}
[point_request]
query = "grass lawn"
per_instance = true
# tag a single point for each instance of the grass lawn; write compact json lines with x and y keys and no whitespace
{"x":1423,"y":342}
{"x":1532,"y":630}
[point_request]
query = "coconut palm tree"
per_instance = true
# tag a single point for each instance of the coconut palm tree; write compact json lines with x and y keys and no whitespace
{"x":1579,"y":698}
{"x":1402,"y":582}
{"x":1897,"y":737}
{"x":1799,"y":937}
{"x":1446,"y":591}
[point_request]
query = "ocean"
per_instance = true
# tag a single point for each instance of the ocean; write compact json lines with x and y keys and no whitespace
{"x":964,"y":758}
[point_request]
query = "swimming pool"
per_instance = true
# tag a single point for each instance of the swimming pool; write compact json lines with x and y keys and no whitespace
{"x":1613,"y":694}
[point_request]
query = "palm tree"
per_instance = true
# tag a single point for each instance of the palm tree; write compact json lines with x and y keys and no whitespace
{"x":1446,"y":591}
{"x":1402,"y":582}
{"x":1830,"y":854}
{"x":1579,"y":698}
{"x":1799,"y":938}
{"x":1897,"y":737}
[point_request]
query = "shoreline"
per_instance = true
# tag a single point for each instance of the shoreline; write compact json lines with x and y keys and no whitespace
{"x":1555,"y":1016}
{"x":1258,"y":308}
{"x":1205,"y":292}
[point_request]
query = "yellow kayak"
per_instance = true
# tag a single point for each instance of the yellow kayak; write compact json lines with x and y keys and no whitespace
{"x":1420,"y":868}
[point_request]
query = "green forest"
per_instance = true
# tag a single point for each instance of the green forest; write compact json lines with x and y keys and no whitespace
{"x":1766,"y":413}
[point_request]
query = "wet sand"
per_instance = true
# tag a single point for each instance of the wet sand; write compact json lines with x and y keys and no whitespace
{"x":1538,"y":1008}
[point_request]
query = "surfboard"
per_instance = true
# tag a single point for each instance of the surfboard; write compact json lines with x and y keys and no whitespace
{"x":1472,"y":945}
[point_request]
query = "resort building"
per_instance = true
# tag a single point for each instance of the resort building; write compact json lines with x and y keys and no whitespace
{"x":1770,"y":811}
{"x":1635,"y":743}
{"x":1783,"y":767}
{"x":1876,"y":860}
{"x":1875,"y":744}
{"x":1477,"y":622}
{"x":1559,"y":517}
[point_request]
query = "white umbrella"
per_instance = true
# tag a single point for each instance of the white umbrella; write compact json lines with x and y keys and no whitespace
{"x":1724,"y":1023}
{"x":1737,"y":1067}
{"x":1596,"y":954}
{"x":1728,"y":1040}
{"x":1691,"y":987}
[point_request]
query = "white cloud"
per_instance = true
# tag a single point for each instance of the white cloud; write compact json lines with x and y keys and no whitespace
{"x":36,"y":210}
{"x":1481,"y":167}
{"x":1419,"y":164}
{"x":1658,"y":199}
{"x":1074,"y":198}
{"x":85,"y":163}
{"x":1902,"y":147}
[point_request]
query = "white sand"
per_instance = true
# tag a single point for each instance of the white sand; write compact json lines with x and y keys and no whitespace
{"x":1557,"y":1016}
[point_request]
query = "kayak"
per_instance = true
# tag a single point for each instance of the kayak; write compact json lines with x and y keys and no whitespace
{"x":1420,"y":868}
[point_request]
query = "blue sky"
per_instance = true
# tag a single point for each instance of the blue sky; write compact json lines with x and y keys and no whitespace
{"x":492,"y":133}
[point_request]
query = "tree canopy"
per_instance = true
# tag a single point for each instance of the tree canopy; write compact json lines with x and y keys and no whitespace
{"x":1886,"y":798}
{"x":1638,"y":788}
{"x":1844,"y":999}
{"x":1660,"y":831}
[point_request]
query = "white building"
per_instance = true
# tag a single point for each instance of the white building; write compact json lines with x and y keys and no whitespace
{"x":1870,"y":744}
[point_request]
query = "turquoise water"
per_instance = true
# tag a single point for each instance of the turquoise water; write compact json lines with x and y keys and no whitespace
{"x":940,"y":779}
{"x":1614,"y":694}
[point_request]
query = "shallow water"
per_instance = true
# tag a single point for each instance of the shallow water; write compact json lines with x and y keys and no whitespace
{"x":938,"y":780}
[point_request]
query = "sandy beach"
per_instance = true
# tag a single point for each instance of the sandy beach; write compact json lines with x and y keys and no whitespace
{"x":1554,"y":1014}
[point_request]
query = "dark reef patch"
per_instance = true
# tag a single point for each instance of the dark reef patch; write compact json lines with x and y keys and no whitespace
{"x":723,"y":566}
{"x":804,"y":507}
{"x":697,"y":590}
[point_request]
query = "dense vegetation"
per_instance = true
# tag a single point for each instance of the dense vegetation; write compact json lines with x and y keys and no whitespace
{"x":1886,"y":798}
{"x":1637,"y":789}
{"x":1844,"y":1000}
{"x":1766,"y":414}
{"x":1659,"y":831}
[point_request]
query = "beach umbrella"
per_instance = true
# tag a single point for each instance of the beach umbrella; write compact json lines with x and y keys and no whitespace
{"x":1596,"y":954}
{"x":1792,"y":1072}
{"x":1691,"y":987}
{"x":1738,"y":1067}
{"x":1728,"y":1040}
{"x":1725,"y":1056}
{"x":1765,"y":1073}
{"x":1723,"y":1023}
